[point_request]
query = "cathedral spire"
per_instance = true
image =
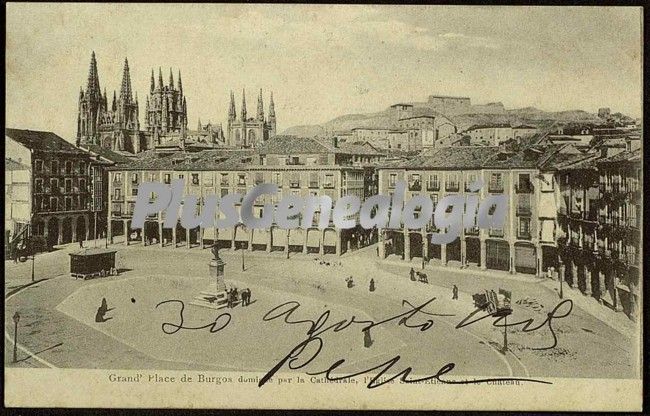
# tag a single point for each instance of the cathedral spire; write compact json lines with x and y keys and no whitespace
{"x":126,"y":95}
{"x":171,"y":79}
{"x":243,"y":105}
{"x":153,"y":82}
{"x":271,"y":108}
{"x":232,"y":113}
{"x":93,"y":78}
{"x":180,"y":83}
{"x":260,"y":107}
{"x":160,"y":81}
{"x":272,"y":120}
{"x":114,"y":107}
{"x":199,"y":127}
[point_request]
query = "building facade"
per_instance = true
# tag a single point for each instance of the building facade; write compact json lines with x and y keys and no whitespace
{"x":250,"y":132}
{"x":116,"y":127}
{"x":51,"y":192}
{"x":299,"y":166}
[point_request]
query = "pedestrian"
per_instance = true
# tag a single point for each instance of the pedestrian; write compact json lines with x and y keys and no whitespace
{"x":104,"y":305}
{"x":367,"y":339}
{"x":248,"y":296}
{"x":454,"y":292}
{"x":412,"y":273}
{"x":229,"y":297}
{"x":372,"y":285}
{"x":81,"y":244}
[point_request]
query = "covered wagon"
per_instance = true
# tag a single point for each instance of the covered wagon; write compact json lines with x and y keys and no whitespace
{"x":92,"y":262}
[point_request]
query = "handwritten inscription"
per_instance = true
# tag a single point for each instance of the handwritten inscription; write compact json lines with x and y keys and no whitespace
{"x":414,"y":317}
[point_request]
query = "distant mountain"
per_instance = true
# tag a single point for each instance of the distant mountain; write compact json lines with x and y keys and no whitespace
{"x":463,"y":117}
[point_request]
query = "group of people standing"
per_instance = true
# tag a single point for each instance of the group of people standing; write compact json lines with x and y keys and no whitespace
{"x":233,"y":295}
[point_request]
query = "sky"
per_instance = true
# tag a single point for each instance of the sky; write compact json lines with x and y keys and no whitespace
{"x":322,"y":61}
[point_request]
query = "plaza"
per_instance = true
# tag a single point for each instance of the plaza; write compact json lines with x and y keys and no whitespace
{"x":57,"y":326}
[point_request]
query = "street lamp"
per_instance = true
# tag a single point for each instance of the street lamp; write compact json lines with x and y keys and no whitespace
{"x":243,"y":266}
{"x":16,"y":318}
{"x":561,"y":277}
{"x":33,"y":258}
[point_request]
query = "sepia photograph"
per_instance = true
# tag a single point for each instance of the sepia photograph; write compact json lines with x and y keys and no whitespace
{"x":301,"y":206}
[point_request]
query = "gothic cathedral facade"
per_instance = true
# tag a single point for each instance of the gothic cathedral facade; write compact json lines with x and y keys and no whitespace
{"x":250,"y":132}
{"x":116,"y":127}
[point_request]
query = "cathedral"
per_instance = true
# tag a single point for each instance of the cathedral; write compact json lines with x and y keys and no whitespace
{"x":116,"y":127}
{"x":166,"y":110}
{"x":250,"y":132}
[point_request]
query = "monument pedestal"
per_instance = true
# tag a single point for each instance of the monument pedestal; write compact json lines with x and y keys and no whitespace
{"x":215,"y":297}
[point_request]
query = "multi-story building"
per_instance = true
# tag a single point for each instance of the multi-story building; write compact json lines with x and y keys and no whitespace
{"x":526,"y":242}
{"x":299,"y":166}
{"x":600,"y":223}
{"x":51,"y":191}
{"x":490,"y":135}
{"x":250,"y":132}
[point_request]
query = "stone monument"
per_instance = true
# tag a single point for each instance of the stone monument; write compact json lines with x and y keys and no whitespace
{"x":215,"y":297}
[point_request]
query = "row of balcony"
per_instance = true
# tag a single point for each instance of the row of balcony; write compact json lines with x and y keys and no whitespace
{"x":61,"y":190}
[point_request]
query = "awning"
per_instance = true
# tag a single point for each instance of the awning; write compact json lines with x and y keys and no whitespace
{"x":260,"y":236}
{"x":279,"y":237}
{"x":330,"y":238}
{"x":225,"y":234}
{"x":313,"y":238}
{"x":241,"y":234}
{"x":297,"y":237}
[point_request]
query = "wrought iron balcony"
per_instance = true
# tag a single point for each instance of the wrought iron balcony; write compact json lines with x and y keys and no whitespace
{"x":415,"y":186}
{"x":452,"y":187}
{"x":495,"y":189}
{"x":433,"y":186}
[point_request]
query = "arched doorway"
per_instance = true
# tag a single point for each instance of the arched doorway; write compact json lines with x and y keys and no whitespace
{"x":81,"y":228}
{"x":52,"y":231}
{"x":473,"y":250}
{"x":67,"y":230}
{"x":453,"y":250}
{"x":498,"y":255}
{"x":525,"y":258}
{"x":415,"y":241}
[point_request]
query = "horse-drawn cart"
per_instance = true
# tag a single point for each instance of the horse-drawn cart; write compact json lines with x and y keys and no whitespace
{"x":92,"y":262}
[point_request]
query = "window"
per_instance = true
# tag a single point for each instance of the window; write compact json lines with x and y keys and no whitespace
{"x":82,"y":168}
{"x":134,"y":178}
{"x":38,"y":185}
{"x":168,"y":178}
{"x":224,"y":179}
{"x":277,"y":178}
{"x":329,"y":180}
{"x":117,"y":177}
{"x":195,"y":179}
{"x":313,"y":179}
{"x":524,"y":228}
{"x":54,"y":185}
{"x":82,"y":185}
{"x":414,"y":182}
{"x":68,"y":170}
{"x":392,"y":179}
{"x":433,"y":184}
{"x":68,"y":203}
{"x":54,"y":203}
{"x":117,"y":192}
{"x":134,"y":191}
{"x":259,"y":178}
{"x":524,"y":185}
{"x":496,"y":182}
{"x":241,"y":179}
{"x":452,"y":182}
{"x":55,"y":167}
{"x":471,"y":179}
{"x":38,"y":164}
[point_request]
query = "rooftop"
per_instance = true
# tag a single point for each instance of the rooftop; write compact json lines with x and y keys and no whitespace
{"x":43,"y":140}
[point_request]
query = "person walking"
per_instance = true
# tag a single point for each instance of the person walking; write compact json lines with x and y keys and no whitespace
{"x":412,"y":273}
{"x":454,"y":293}
{"x":372,"y":285}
